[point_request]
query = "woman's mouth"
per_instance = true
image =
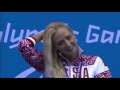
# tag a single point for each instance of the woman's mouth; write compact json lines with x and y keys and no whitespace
{"x":70,"y":48}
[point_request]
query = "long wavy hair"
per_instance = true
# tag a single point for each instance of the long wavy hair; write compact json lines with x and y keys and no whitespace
{"x":53,"y":65}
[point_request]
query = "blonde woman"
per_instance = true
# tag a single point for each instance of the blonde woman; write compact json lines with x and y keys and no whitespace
{"x":61,"y":57}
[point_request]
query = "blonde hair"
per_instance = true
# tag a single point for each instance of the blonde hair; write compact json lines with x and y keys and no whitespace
{"x":53,"y":66}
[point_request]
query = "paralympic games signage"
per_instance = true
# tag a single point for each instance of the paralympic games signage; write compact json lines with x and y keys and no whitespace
{"x":90,"y":34}
{"x":93,"y":31}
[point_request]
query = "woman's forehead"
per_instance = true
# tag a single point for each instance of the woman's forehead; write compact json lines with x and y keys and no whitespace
{"x":61,"y":33}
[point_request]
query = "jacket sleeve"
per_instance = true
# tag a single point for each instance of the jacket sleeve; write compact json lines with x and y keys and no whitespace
{"x":30,"y":54}
{"x":102,"y":70}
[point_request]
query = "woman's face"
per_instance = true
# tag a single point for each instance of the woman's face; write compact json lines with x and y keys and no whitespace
{"x":65,"y":41}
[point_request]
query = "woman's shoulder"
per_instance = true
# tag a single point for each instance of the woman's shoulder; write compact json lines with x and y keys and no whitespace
{"x":91,"y":59}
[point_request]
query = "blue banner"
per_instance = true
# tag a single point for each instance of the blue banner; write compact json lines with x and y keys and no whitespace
{"x":97,"y":33}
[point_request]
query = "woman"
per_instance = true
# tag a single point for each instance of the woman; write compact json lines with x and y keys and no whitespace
{"x":62,"y":57}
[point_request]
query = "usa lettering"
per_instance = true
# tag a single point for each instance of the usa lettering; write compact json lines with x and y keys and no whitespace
{"x":73,"y":72}
{"x":103,"y":35}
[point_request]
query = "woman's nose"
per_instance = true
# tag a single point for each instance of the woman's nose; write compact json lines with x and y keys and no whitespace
{"x":67,"y":43}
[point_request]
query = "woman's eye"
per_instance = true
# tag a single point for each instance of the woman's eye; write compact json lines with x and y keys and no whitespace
{"x":68,"y":37}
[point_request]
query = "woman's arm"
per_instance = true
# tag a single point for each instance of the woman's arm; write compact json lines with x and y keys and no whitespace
{"x":102,"y":70}
{"x":30,"y":54}
{"x":38,"y":37}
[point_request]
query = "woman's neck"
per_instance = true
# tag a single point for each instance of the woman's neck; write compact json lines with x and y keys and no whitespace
{"x":72,"y":57}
